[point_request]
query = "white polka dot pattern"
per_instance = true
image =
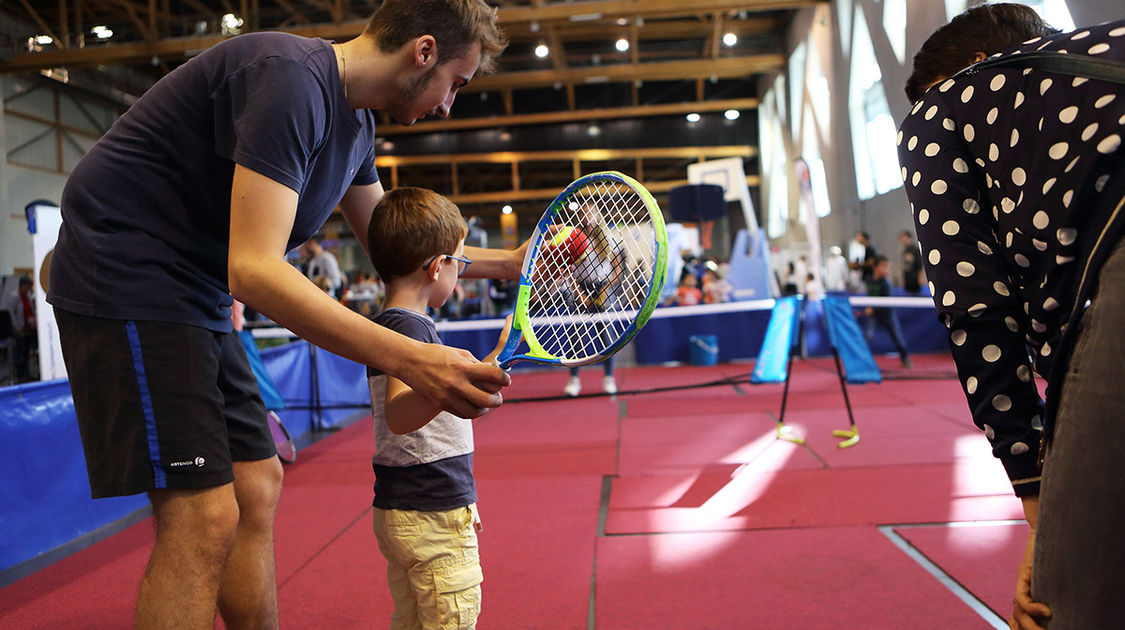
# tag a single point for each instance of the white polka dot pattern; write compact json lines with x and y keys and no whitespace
{"x":1033,"y":151}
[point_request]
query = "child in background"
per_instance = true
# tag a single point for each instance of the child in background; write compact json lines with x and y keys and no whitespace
{"x":688,"y":294}
{"x":716,"y":288}
{"x":425,"y":516}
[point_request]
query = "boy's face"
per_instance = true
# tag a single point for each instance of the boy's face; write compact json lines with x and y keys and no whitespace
{"x":883,"y":269}
{"x":449,"y":271}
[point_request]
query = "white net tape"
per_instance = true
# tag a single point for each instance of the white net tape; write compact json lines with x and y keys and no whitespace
{"x":593,"y":271}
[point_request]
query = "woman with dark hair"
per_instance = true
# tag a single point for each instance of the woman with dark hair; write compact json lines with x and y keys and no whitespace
{"x":1016,"y":182}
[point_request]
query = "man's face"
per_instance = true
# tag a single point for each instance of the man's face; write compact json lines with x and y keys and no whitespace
{"x":431,"y":91}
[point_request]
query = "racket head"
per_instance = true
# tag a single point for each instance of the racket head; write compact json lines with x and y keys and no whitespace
{"x":592,"y":274}
{"x":286,"y":449}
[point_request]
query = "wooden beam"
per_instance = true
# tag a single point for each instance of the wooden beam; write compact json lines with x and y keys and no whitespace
{"x":546,"y":118}
{"x":716,"y":35}
{"x":64,"y":26}
{"x":565,"y":11}
{"x":724,"y":68}
{"x":671,"y":28}
{"x":581,"y":155}
{"x":135,"y":52}
{"x":538,"y":194}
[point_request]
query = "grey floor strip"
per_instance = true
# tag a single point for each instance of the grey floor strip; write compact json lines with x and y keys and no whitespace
{"x":944,"y":578}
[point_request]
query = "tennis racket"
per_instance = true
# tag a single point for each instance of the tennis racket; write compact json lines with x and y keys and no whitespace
{"x":593,"y":273}
{"x":286,"y":449}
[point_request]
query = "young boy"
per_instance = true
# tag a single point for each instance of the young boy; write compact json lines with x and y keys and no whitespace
{"x":425,"y":516}
{"x":880,"y":286}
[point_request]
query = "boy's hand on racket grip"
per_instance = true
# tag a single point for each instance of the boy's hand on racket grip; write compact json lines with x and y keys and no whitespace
{"x":456,"y":381}
{"x":505,"y":333}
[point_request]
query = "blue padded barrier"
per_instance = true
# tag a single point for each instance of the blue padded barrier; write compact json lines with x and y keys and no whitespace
{"x":44,"y":493}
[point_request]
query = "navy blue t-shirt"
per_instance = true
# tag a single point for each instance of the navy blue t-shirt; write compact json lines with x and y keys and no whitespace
{"x":146,"y":213}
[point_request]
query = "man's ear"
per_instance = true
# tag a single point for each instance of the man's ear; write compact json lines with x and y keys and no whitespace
{"x":425,"y":51}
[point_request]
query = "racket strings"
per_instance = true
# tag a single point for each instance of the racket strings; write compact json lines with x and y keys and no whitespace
{"x":590,"y":286}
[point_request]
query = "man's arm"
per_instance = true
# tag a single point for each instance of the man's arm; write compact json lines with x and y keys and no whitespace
{"x":495,"y":263}
{"x":262,"y":215}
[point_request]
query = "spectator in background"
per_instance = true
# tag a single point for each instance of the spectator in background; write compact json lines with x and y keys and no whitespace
{"x":862,"y":255}
{"x":813,"y":288}
{"x":836,"y":270}
{"x":716,"y":288}
{"x":323,"y":263}
{"x":885,"y":318}
{"x":688,"y":294}
{"x":911,"y":259}
{"x":20,"y":305}
{"x":792,"y":282}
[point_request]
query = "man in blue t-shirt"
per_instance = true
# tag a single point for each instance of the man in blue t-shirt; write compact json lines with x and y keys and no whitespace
{"x":194,"y":196}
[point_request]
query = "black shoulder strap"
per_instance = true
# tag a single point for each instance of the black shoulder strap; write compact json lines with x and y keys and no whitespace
{"x":1059,"y":63}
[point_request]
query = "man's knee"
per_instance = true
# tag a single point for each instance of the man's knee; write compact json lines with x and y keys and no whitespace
{"x":257,"y":487}
{"x":207,"y":518}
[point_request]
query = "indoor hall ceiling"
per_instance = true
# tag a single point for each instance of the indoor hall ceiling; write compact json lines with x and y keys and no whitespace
{"x":676,"y":62}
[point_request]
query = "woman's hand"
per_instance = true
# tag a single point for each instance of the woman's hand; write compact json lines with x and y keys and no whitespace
{"x":1025,"y":612}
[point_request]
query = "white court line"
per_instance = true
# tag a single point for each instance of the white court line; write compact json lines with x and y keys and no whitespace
{"x":942,"y":577}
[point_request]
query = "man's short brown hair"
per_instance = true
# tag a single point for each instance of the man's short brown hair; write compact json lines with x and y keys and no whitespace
{"x":456,"y":25}
{"x":408,"y":227}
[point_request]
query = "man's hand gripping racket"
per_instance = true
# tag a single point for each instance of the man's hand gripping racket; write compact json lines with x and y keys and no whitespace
{"x":604,"y":235}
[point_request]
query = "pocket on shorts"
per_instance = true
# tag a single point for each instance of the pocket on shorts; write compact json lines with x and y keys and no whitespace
{"x":459,"y":595}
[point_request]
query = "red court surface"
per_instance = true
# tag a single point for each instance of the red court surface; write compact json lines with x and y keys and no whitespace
{"x":667,"y":509}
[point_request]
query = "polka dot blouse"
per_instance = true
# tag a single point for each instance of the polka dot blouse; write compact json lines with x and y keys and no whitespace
{"x":1008,"y":171}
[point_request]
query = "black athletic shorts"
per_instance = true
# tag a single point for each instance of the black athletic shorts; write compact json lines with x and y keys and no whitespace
{"x":161,"y":405}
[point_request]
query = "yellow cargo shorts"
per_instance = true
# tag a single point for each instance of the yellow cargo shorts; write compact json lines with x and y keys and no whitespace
{"x":433,"y":567}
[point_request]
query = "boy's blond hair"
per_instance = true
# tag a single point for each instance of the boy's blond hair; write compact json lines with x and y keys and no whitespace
{"x":408,"y":227}
{"x":455,"y":25}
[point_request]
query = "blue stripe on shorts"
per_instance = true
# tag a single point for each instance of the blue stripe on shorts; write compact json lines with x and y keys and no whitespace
{"x":159,"y":480}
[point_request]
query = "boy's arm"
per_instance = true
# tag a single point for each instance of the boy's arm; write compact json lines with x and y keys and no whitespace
{"x":405,"y":409}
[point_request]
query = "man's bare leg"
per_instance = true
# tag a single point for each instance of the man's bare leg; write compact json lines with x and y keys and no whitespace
{"x":194,"y":533}
{"x":248,"y":595}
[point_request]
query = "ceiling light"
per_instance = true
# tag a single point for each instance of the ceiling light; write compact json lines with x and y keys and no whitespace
{"x":594,"y":130}
{"x":43,"y":40}
{"x":731,"y":114}
{"x":730,"y":39}
{"x":505,"y":136}
{"x":542,"y":51}
{"x":506,"y":210}
{"x":622,"y":22}
{"x":622,"y":45}
{"x":693,"y":117}
{"x":230,"y":21}
{"x":102,"y":32}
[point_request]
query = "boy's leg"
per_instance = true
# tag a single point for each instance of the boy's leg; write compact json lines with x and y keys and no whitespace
{"x":444,"y":567}
{"x":395,"y":549}
{"x":895,"y":330}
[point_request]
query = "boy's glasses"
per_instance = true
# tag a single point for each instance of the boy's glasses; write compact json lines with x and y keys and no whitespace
{"x":464,"y":263}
